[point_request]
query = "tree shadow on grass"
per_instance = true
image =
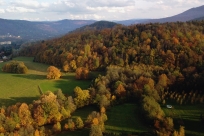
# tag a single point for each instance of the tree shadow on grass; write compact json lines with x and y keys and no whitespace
{"x":68,"y":83}
{"x":30,"y":76}
{"x":13,"y":100}
{"x":82,"y":132}
{"x":193,"y":126}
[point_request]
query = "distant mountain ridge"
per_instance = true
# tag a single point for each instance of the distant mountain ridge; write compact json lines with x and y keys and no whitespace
{"x":188,"y":15}
{"x":131,"y":21}
{"x":99,"y":25}
{"x":198,"y":19}
{"x":32,"y":31}
{"x":28,"y":30}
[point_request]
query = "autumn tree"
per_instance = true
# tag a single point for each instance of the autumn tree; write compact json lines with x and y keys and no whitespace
{"x":57,"y":127}
{"x":79,"y":123}
{"x":95,"y":131}
{"x":81,"y":97}
{"x":15,"y":67}
{"x":162,"y":84}
{"x":50,"y":107}
{"x":119,"y":89}
{"x":70,"y":125}
{"x":66,"y":66}
{"x":69,"y":104}
{"x":82,"y":73}
{"x":53,"y":73}
{"x":24,"y":115}
{"x":9,"y":125}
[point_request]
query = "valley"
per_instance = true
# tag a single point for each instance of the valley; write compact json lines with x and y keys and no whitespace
{"x":114,"y":78}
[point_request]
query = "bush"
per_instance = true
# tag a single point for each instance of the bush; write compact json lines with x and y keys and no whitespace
{"x":53,"y":73}
{"x":15,"y":67}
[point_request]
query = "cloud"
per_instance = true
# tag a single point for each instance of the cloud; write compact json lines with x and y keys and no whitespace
{"x":69,"y":6}
{"x":2,"y":11}
{"x":94,"y":9}
{"x":25,"y":4}
{"x":112,"y":3}
{"x":1,"y":2}
{"x":19,"y":10}
{"x":32,"y":4}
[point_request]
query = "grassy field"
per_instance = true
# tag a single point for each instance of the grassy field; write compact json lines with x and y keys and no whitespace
{"x":67,"y":84}
{"x":24,"y":87}
{"x":189,"y":115}
{"x":125,"y":118}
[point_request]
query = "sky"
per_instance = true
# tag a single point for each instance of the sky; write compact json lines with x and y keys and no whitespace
{"x":53,"y":10}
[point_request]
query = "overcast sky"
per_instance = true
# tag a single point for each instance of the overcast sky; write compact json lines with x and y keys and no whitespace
{"x":49,"y":10}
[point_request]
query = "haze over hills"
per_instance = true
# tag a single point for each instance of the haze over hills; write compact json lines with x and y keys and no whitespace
{"x":32,"y":31}
{"x":99,"y":25}
{"x":188,"y":15}
{"x":198,"y":19}
{"x":131,"y":21}
{"x":27,"y":30}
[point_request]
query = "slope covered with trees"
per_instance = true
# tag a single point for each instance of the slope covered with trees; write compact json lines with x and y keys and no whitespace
{"x":176,"y":47}
{"x":99,"y":25}
{"x":170,"y":45}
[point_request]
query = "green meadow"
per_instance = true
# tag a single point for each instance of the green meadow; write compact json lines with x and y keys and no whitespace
{"x":125,"y":118}
{"x":189,"y":116}
{"x":25,"y":87}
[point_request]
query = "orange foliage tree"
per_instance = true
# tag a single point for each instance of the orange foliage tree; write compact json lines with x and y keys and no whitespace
{"x":82,"y":73}
{"x":53,"y":73}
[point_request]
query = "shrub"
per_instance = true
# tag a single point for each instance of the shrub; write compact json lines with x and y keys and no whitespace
{"x":15,"y":67}
{"x":53,"y":73}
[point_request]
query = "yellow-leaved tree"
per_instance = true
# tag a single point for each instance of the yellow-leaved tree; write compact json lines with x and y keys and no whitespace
{"x":53,"y":72}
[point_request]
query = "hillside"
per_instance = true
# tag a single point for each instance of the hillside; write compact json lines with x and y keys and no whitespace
{"x":99,"y":25}
{"x":147,"y":64}
{"x":185,"y":16}
{"x":28,"y":30}
{"x":170,"y":45}
{"x":131,"y":21}
{"x":198,"y":19}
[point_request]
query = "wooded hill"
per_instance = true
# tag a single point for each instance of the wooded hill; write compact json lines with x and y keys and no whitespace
{"x":99,"y":25}
{"x":176,"y":47}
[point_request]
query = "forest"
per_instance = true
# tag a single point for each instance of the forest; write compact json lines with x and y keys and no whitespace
{"x":145,"y":64}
